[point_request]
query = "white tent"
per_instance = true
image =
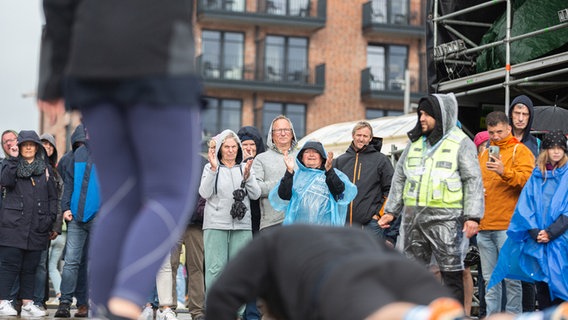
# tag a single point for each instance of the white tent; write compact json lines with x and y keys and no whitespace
{"x":337,"y":137}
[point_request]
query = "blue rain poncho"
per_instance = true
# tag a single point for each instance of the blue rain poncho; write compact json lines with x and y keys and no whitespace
{"x":541,"y":203}
{"x":312,"y":202}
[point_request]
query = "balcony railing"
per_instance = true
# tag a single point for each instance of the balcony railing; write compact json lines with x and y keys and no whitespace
{"x":393,"y":89}
{"x":377,"y":18}
{"x":290,"y":8}
{"x":253,"y":77}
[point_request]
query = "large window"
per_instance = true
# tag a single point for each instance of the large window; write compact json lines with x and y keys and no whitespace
{"x":295,"y":112}
{"x":222,"y":54}
{"x":286,"y":58}
{"x":221,"y":114}
{"x":395,"y":12}
{"x":288,"y":7}
{"x":387,"y":64}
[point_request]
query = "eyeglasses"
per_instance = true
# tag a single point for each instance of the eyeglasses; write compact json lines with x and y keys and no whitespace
{"x":282,"y":131}
{"x":5,"y":142}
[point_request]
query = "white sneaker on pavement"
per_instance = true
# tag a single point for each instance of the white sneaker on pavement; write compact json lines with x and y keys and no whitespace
{"x":166,"y":314}
{"x":7,"y":309}
{"x":31,"y":310}
{"x":147,"y":314}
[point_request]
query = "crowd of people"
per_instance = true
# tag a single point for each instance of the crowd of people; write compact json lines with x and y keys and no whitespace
{"x":282,"y":231}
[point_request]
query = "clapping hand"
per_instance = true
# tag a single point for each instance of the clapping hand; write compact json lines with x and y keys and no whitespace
{"x":246,"y":173}
{"x":289,"y":161}
{"x":329,"y":161}
{"x":212,"y":157}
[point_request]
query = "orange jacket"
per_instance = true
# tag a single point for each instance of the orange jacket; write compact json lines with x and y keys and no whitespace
{"x":502,"y":191}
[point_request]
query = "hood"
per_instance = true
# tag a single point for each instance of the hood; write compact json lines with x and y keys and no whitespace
{"x":31,"y":135}
{"x":51,"y":139}
{"x":522,"y":99}
{"x":252,"y":133}
{"x":445,"y":111}
{"x":316,"y":145}
{"x":220,"y":138}
{"x":270,"y":143}
{"x":78,"y":135}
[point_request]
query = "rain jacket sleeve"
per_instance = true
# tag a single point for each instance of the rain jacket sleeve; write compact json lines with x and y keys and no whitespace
{"x":470,"y":173}
{"x":395,"y":202}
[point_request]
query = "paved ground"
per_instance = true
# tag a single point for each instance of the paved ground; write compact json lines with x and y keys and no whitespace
{"x":182,"y":314}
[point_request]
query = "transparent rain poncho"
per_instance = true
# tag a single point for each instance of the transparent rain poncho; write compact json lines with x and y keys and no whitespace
{"x":312,"y":202}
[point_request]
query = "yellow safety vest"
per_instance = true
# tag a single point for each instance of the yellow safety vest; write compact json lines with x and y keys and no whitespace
{"x":433,"y":180}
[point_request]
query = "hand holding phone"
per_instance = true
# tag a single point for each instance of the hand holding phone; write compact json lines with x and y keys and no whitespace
{"x":493,"y":152}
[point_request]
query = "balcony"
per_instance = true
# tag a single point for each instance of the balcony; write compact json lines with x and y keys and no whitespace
{"x":256,"y":78}
{"x":380,"y":22}
{"x":293,"y":14}
{"x":373,"y":88}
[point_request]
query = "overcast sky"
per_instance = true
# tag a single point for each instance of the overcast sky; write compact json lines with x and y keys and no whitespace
{"x":20,"y":30}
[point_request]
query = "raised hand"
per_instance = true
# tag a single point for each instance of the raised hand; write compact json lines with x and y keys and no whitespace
{"x":289,"y":161}
{"x":329,"y":161}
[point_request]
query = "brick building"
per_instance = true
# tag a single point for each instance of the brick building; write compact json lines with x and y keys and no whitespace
{"x":316,"y":61}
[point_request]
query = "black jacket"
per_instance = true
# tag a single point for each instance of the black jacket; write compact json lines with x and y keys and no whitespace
{"x":307,"y":272}
{"x":371,"y":171}
{"x":29,"y":208}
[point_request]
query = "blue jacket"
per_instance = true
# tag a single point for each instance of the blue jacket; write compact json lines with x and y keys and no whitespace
{"x":81,"y":192}
{"x":542,"y":204}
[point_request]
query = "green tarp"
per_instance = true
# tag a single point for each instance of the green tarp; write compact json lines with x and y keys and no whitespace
{"x":529,"y":15}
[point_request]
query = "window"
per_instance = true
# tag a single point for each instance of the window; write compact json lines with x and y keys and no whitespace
{"x":286,"y":59}
{"x":375,"y":113}
{"x":222,"y":54}
{"x":288,"y":7}
{"x":395,"y":12}
{"x":221,"y":114}
{"x":387,"y":64}
{"x":295,"y":112}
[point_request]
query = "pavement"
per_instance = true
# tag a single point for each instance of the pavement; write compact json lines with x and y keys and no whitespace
{"x":182,"y":314}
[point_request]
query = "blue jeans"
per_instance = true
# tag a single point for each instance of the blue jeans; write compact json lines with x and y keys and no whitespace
{"x":55,"y":253}
{"x":41,"y":279}
{"x":74,"y":274}
{"x":489,"y":244}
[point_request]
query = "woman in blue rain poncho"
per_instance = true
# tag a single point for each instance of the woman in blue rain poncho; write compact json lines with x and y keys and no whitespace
{"x":316,"y":193}
{"x":537,"y":239}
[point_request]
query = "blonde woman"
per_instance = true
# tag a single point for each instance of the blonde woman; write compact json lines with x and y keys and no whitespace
{"x":537,"y":239}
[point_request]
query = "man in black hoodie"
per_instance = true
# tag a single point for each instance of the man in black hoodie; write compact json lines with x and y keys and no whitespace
{"x":371,"y":171}
{"x":521,"y":115}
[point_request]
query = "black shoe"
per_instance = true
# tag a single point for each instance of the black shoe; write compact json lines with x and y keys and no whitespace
{"x":63,"y":311}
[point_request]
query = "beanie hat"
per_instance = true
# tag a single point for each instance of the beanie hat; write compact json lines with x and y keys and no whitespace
{"x":426,"y":106}
{"x":480,"y":138}
{"x":555,"y":138}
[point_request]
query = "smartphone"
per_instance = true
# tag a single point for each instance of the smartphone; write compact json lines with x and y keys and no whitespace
{"x":493,"y":151}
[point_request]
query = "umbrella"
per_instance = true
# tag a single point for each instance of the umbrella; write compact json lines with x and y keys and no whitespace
{"x":548,"y":118}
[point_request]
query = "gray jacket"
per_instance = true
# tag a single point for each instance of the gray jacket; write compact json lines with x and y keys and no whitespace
{"x":269,"y":168}
{"x":217,"y":188}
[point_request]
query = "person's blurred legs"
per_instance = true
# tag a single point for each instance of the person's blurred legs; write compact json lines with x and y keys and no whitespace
{"x":144,"y":193}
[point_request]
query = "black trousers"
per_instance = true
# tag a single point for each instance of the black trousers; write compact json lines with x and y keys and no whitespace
{"x":16,"y":262}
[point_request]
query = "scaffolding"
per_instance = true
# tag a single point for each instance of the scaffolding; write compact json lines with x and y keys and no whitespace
{"x":540,"y":78}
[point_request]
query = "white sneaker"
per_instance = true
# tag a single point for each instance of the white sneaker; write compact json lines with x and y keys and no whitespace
{"x":166,"y":314}
{"x":31,"y":310}
{"x":147,"y":314}
{"x":7,"y":309}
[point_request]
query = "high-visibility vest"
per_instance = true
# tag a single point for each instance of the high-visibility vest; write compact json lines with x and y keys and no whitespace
{"x":433,"y":180}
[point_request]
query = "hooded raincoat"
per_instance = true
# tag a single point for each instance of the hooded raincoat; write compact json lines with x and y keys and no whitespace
{"x":422,"y":185}
{"x":269,"y":167}
{"x":217,"y":188}
{"x":543,"y":201}
{"x":312,"y":201}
